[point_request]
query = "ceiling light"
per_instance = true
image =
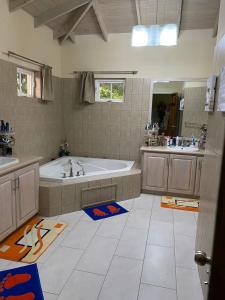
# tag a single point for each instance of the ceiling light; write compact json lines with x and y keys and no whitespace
{"x":155,"y":35}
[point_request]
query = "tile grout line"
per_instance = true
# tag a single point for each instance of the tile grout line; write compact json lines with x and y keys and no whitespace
{"x":145,"y":250}
{"x":114,"y":253}
{"x":174,"y":243}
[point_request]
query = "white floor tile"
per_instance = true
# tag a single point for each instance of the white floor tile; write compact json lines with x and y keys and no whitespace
{"x":132,"y":243}
{"x":162,"y":214}
{"x":82,"y":286}
{"x":55,"y":272}
{"x":122,"y":280}
{"x":188,"y":285}
{"x":185,"y":251}
{"x":159,"y":267}
{"x":127,"y":204}
{"x":98,"y":255}
{"x":139,"y":218}
{"x":71,"y":218}
{"x":150,"y":292}
{"x":4,"y":264}
{"x":144,"y":202}
{"x":48,"y":296}
{"x":161,"y":234}
{"x":112,"y":227}
{"x":81,"y":235}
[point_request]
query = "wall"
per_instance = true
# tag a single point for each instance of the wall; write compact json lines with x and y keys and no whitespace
{"x":168,"y":87}
{"x":112,"y":130}
{"x":194,"y":111}
{"x":38,"y":126}
{"x":192,"y":58}
{"x":18,"y":34}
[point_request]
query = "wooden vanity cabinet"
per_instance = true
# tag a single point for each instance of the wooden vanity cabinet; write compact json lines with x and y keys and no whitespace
{"x":27,"y":187}
{"x":182,"y":170}
{"x":19,"y":194}
{"x":177,"y":174}
{"x":155,"y":171}
{"x":198,"y":176}
{"x":7,"y":206}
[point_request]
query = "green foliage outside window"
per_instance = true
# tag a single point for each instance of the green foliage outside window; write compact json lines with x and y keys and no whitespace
{"x":112,"y":91}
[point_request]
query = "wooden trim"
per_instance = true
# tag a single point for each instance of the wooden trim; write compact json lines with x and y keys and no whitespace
{"x":180,"y":17}
{"x":137,"y":5}
{"x":100,"y":20}
{"x":58,"y":11}
{"x":217,"y":277}
{"x":77,"y":22}
{"x":17,"y":4}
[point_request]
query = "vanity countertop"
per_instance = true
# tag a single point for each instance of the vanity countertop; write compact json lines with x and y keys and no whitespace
{"x":173,"y":150}
{"x":23,"y":162}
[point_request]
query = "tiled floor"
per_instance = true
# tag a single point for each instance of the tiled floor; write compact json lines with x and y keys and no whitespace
{"x":144,"y":254}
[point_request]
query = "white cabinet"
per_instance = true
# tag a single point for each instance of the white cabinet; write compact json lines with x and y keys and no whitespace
{"x":18,"y":198}
{"x":173,"y":173}
{"x":182,"y":170}
{"x":155,"y":171}
{"x":27,"y":183}
{"x":7,"y":206}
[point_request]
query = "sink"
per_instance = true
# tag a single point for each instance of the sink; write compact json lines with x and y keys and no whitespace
{"x":184,"y":149}
{"x":7,"y":162}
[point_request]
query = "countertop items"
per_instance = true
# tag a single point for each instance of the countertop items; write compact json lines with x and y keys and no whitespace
{"x":22,"y":162}
{"x":178,"y":150}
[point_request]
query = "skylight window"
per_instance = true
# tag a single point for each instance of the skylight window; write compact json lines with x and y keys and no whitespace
{"x":155,"y":35}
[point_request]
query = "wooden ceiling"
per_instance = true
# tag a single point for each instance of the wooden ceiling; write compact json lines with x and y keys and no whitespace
{"x":80,"y":17}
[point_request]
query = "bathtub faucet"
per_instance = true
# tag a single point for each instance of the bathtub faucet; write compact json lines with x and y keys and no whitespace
{"x":71,"y":167}
{"x":82,"y":168}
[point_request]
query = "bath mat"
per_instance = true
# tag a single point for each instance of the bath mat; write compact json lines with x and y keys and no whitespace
{"x":21,"y":284}
{"x":31,"y":240}
{"x":99,"y":212}
{"x":180,"y":203}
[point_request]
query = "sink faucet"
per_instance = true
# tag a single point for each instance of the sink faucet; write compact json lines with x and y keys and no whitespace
{"x":82,"y":168}
{"x":71,"y":167}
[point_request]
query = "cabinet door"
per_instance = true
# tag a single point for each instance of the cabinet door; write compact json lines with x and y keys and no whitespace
{"x":27,"y":182}
{"x":155,"y":171}
{"x":198,"y":176}
{"x":7,"y":206}
{"x":182,"y":174}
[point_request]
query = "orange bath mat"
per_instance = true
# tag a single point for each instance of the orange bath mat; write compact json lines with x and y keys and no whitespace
{"x":31,"y":240}
{"x":180,"y":203}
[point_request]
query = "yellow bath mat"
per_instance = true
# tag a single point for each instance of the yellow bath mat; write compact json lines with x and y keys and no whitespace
{"x":31,"y":240}
{"x":180,"y":203}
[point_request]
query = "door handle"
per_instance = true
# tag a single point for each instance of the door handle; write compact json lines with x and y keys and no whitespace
{"x":202,"y":259}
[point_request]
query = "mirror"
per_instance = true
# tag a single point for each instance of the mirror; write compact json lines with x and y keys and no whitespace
{"x":179,"y":107}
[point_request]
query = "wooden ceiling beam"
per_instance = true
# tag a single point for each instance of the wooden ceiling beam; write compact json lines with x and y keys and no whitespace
{"x":180,"y":16}
{"x":138,"y":11}
{"x":100,"y":20}
{"x":76,"y":23}
{"x":215,"y":27}
{"x":17,"y":4}
{"x":58,"y":11}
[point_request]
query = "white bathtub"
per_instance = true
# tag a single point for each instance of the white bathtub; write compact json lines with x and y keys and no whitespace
{"x":93,"y":167}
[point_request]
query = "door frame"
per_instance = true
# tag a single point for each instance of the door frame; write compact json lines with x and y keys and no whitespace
{"x":217,"y":274}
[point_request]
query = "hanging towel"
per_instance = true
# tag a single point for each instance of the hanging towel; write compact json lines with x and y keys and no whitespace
{"x":87,"y":87}
{"x":46,"y":84}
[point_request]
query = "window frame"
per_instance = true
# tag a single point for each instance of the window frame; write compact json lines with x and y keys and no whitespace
{"x":109,"y":81}
{"x":30,"y":90}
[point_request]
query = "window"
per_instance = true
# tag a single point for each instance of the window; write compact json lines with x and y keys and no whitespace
{"x":110,"y":90}
{"x":25,"y":83}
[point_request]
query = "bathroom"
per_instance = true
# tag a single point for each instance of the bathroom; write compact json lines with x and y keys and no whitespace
{"x":108,"y":149}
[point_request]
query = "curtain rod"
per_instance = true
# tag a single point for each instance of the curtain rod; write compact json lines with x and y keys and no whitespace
{"x":24,"y":58}
{"x":109,"y":72}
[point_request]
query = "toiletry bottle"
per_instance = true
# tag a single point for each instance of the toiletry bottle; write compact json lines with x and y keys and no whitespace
{"x":177,"y":141}
{"x":193,"y":140}
{"x":7,"y":127}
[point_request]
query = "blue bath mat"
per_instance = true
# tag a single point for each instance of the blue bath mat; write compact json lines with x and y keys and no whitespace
{"x":104,"y":211}
{"x":23,"y":282}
